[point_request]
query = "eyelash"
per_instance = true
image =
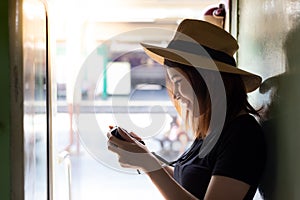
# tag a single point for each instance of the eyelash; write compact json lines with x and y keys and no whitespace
{"x":177,"y":82}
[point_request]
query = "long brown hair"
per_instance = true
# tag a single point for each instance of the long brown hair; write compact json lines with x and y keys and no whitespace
{"x":236,"y":96}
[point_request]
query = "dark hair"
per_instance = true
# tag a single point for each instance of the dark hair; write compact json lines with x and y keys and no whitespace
{"x":236,"y":95}
{"x":237,"y":98}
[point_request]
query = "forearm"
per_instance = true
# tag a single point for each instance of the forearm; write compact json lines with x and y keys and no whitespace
{"x":167,"y":185}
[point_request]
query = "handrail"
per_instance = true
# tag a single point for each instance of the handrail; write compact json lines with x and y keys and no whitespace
{"x":64,"y":157}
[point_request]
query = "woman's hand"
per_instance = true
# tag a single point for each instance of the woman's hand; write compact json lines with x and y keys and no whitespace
{"x":132,"y":153}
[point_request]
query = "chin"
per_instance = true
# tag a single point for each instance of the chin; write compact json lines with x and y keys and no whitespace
{"x":196,"y":115}
{"x":195,"y":111}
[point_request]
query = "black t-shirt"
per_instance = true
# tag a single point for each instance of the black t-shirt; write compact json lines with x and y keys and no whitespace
{"x":239,"y":153}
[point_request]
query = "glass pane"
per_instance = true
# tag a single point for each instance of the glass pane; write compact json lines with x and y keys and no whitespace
{"x":35,"y":115}
{"x":269,"y":39}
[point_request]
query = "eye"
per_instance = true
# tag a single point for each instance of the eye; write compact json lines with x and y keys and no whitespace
{"x":178,"y":97}
{"x":177,"y":81}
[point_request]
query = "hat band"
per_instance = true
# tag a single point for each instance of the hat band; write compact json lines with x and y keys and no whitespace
{"x":198,"y":49}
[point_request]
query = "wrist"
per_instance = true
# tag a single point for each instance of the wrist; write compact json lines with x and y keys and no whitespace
{"x":152,"y":165}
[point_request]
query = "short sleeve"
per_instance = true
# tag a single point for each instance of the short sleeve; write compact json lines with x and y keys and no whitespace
{"x":241,"y":151}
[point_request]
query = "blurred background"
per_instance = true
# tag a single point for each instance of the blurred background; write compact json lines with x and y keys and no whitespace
{"x":72,"y":68}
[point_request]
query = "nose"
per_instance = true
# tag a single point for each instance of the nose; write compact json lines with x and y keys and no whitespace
{"x":176,"y":94}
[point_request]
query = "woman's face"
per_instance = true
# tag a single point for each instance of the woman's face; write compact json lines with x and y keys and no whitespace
{"x":182,"y":89}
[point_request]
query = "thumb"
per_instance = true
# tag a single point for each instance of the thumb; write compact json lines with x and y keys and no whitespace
{"x":125,"y":135}
{"x":135,"y":136}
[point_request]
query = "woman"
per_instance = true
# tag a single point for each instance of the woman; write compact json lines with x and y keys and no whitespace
{"x":227,"y":156}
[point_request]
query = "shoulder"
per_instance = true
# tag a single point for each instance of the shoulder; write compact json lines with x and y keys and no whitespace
{"x":244,"y":121}
{"x":243,"y":131}
{"x":240,"y":152}
{"x":242,"y":137}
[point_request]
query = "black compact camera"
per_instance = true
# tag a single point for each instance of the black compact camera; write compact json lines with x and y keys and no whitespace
{"x":114,"y":132}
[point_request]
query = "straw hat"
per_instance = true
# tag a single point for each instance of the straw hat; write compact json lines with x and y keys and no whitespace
{"x":203,"y":45}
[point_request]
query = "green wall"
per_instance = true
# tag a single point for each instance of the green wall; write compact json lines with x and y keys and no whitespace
{"x":4,"y":104}
{"x":269,"y":38}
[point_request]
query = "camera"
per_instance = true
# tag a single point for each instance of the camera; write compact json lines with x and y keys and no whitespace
{"x":114,"y":132}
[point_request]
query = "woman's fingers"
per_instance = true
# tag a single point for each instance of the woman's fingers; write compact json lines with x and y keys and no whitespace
{"x":112,"y":147}
{"x":126,"y":145}
{"x":130,"y":137}
{"x":126,"y":136}
{"x":131,"y":154}
{"x":129,"y":145}
{"x":135,"y":136}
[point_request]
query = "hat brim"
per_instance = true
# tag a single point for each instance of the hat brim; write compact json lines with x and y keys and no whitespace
{"x":159,"y":54}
